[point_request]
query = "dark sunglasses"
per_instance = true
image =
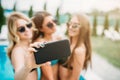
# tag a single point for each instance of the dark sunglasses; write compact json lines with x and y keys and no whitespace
{"x":55,"y":21}
{"x":22,"y":28}
{"x":73,"y":25}
{"x":50,"y":25}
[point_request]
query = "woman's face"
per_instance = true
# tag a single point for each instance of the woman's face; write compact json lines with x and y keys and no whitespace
{"x":73,"y":27}
{"x":49,"y":25}
{"x":24,"y":29}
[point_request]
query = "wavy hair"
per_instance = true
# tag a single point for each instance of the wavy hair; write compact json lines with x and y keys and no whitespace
{"x":84,"y":37}
{"x":38,"y":20}
{"x":12,"y":30}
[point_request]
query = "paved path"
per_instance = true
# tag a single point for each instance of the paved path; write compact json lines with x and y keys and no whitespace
{"x":91,"y":75}
{"x":104,"y":69}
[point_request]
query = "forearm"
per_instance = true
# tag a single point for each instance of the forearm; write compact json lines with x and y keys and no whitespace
{"x":47,"y":72}
{"x":22,"y":74}
{"x":75,"y":74}
{"x":74,"y":77}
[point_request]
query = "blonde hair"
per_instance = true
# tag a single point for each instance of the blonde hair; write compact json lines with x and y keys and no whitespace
{"x":12,"y":30}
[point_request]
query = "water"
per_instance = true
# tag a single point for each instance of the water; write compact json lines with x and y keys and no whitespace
{"x":6,"y":69}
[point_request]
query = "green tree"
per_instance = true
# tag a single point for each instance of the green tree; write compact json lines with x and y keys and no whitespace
{"x":69,"y":16}
{"x":117,"y":25}
{"x":94,"y":31}
{"x":57,"y":16}
{"x":106,"y":23}
{"x":2,"y":17}
{"x":14,"y":8}
{"x":45,"y":6}
{"x":30,"y":13}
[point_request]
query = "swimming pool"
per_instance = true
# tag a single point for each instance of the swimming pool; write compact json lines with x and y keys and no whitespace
{"x":6,"y":69}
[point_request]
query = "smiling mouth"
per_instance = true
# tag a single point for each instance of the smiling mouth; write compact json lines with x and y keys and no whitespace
{"x":71,"y":31}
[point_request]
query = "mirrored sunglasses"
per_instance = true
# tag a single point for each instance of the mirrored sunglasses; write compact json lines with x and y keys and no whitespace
{"x":73,"y":25}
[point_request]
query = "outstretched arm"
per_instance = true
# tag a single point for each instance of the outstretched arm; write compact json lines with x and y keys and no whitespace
{"x":17,"y":57}
{"x":23,"y":61}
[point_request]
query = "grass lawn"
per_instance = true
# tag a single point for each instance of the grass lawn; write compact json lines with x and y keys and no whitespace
{"x":108,"y":49}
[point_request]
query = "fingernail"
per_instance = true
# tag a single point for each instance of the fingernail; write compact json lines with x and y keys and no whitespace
{"x":35,"y":50}
{"x":42,"y":45}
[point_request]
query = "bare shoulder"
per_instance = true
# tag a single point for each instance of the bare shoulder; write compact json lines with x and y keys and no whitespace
{"x":17,"y":57}
{"x":80,"y":53}
{"x":80,"y":50}
{"x":17,"y":51}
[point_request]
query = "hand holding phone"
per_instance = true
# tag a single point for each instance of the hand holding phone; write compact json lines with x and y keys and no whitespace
{"x":52,"y":51}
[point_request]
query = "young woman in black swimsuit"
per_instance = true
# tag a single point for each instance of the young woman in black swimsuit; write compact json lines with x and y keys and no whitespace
{"x":79,"y":35}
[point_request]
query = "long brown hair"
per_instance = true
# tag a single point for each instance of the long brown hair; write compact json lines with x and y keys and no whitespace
{"x":84,"y":37}
{"x":38,"y":20}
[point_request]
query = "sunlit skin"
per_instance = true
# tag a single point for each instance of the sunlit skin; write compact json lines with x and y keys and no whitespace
{"x":22,"y":57}
{"x":27,"y":35}
{"x":49,"y":72}
{"x":73,"y":32}
{"x":45,"y":29}
{"x":79,"y":53}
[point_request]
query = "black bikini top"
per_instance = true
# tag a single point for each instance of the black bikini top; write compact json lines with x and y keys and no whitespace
{"x":30,"y":71}
{"x":64,"y":64}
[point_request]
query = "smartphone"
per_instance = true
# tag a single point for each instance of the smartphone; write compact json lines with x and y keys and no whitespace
{"x":52,"y":51}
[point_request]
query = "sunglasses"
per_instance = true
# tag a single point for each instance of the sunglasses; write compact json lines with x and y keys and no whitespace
{"x":55,"y":21}
{"x":50,"y":25}
{"x":22,"y":28}
{"x":73,"y":25}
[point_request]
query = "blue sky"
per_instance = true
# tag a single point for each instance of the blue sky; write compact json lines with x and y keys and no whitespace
{"x":66,"y":5}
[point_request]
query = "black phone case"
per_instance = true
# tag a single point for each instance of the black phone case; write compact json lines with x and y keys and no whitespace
{"x":52,"y":51}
